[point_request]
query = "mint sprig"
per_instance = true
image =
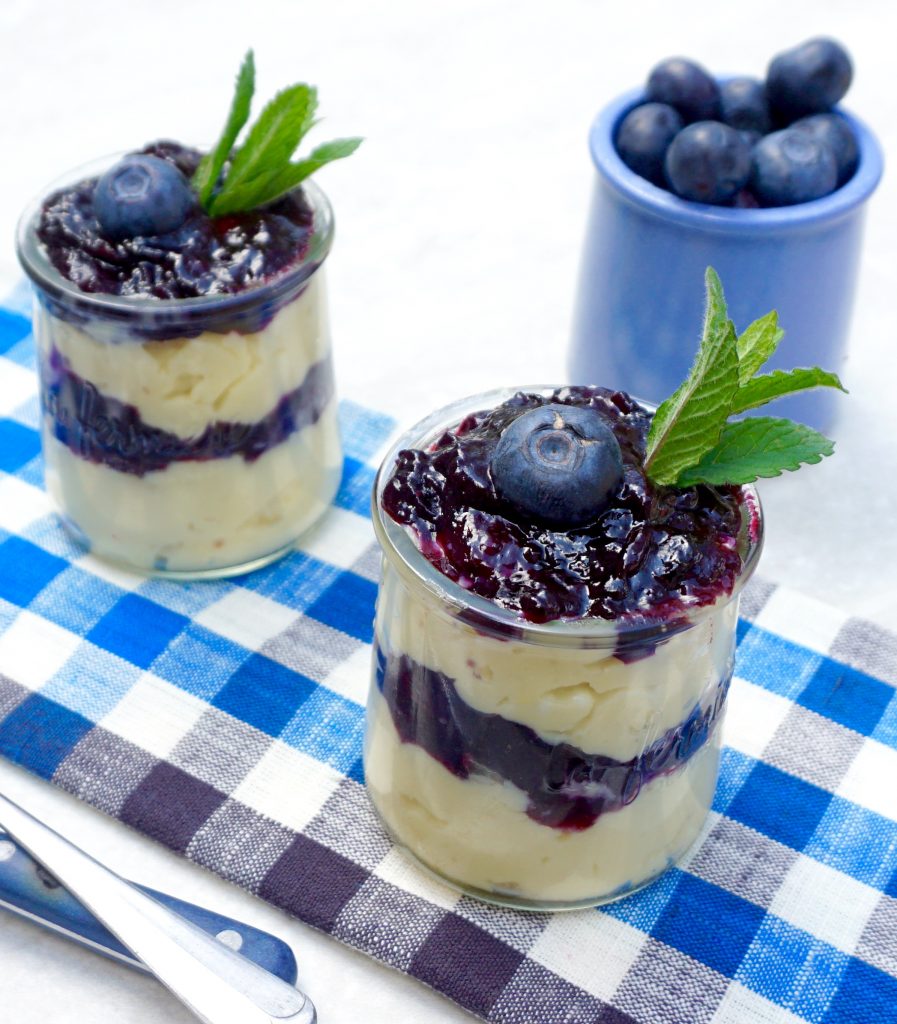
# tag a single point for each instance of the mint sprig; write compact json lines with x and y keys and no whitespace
{"x":261,"y":169}
{"x":691,"y":441}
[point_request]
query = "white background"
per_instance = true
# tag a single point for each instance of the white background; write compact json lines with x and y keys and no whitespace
{"x":458,"y":238}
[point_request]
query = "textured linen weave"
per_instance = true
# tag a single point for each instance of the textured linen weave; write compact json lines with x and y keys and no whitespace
{"x":225,"y":720}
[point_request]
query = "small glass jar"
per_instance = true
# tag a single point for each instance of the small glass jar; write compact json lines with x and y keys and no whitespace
{"x":540,"y":766}
{"x":189,"y":438}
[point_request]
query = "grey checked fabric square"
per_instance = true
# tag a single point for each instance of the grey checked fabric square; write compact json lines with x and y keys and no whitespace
{"x":310,"y":647}
{"x":741,"y":860}
{"x":348,"y":824}
{"x":391,"y":922}
{"x":220,"y":750}
{"x":869,"y":648}
{"x":11,"y":695}
{"x":813,"y":748}
{"x":667,"y":987}
{"x":104,"y":770}
{"x":239,"y":844}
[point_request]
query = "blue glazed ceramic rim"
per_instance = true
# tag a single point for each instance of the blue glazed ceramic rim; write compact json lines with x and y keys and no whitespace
{"x":663,"y":204}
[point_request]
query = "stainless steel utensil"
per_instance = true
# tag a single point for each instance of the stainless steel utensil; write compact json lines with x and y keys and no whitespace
{"x":217,"y":984}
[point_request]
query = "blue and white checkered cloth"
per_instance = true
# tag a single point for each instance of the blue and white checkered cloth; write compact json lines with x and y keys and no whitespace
{"x":225,"y":720}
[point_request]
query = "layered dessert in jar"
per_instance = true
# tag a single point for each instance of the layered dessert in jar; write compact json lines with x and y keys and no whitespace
{"x":189,"y":414}
{"x":555,"y":627}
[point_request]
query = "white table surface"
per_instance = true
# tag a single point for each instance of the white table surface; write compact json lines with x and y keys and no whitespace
{"x":459,"y":229}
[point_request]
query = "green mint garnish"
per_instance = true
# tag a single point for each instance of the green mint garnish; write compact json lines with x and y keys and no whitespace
{"x":260,"y":170}
{"x":691,"y":441}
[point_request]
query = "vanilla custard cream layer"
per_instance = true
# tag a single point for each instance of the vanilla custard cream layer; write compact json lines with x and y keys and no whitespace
{"x":195,"y":516}
{"x":476,"y":832}
{"x":588,"y":698}
{"x":183,"y":384}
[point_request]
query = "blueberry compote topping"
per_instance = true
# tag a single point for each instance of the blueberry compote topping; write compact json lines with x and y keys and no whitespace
{"x":650,"y":552}
{"x":202,"y":256}
{"x":566,"y":788}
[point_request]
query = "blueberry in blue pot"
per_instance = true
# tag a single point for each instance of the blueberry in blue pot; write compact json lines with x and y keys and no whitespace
{"x":643,"y":137}
{"x":142,"y":195}
{"x":708,"y":162}
{"x":743,"y":105}
{"x":791,"y":167}
{"x":685,"y":85}
{"x":808,"y":79}
{"x":833,"y":131}
{"x":558,"y":464}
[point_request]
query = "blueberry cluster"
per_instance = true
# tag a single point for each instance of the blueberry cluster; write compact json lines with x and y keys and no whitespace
{"x":743,"y":142}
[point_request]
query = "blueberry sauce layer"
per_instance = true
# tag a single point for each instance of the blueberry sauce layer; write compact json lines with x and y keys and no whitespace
{"x":104,"y":430}
{"x":565,"y":787}
{"x":652,"y":552}
{"x":204,"y":256}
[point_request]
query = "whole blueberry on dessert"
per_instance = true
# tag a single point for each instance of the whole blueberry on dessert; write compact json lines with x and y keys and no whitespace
{"x":708,"y":162}
{"x":558,"y":463}
{"x":643,"y":137}
{"x":142,"y":195}
{"x":792,"y":166}
{"x":685,"y":85}
{"x":808,"y":79}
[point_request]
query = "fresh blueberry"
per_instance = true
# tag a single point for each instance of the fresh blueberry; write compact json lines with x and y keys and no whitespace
{"x":708,"y":162}
{"x":686,"y":86}
{"x":643,"y":137}
{"x":833,"y":130}
{"x":141,"y":195}
{"x":750,"y":138}
{"x":558,"y":464}
{"x":742,"y":103}
{"x":792,"y":167}
{"x":808,"y":79}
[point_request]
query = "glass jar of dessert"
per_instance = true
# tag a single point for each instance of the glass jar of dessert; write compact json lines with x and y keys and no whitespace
{"x":188,"y":409}
{"x":550,"y":670}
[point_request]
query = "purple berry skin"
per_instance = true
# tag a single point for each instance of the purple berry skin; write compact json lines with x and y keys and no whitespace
{"x":791,"y":167}
{"x":808,"y":79}
{"x":142,"y":195}
{"x":708,"y":162}
{"x":686,"y":86}
{"x":643,"y":137}
{"x":558,"y":464}
{"x":833,"y":130}
{"x":742,"y":104}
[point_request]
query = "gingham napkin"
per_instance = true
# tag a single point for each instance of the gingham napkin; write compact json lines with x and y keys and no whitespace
{"x":225,"y":720}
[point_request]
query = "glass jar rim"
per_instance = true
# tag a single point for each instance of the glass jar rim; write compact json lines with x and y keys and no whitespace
{"x":487,"y":617}
{"x":277,"y":289}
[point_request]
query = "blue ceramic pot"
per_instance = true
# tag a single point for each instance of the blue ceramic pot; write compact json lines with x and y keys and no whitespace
{"x":641,"y":290}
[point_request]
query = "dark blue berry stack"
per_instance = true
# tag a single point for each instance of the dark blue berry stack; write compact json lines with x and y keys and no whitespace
{"x":744,"y":142}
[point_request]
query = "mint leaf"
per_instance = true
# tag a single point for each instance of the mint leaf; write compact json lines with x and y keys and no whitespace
{"x":266,"y":187}
{"x":689,"y":423}
{"x":757,"y":344}
{"x":761,"y":446}
{"x":760,"y":390}
{"x":207,"y":173}
{"x":270,"y":143}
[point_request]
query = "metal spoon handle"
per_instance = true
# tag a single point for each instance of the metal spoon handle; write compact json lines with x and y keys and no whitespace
{"x":217,"y":984}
